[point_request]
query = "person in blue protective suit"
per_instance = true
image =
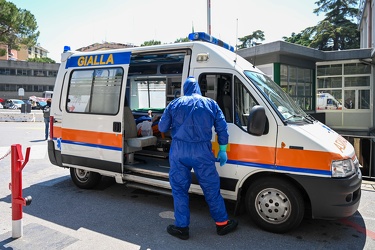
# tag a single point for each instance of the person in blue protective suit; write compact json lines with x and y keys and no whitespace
{"x":190,"y":119}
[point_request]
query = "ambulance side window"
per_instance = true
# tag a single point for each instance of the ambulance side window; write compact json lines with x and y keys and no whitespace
{"x":243,"y":102}
{"x":95,"y":91}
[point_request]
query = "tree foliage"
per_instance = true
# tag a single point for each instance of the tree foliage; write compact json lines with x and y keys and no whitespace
{"x":150,"y":42}
{"x":181,"y":40}
{"x":251,"y":40}
{"x":302,"y":38}
{"x":41,"y":60}
{"x":17,"y":26}
{"x":337,"y":31}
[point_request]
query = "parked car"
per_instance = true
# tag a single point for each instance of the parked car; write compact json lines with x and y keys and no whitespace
{"x":39,"y":105}
{"x":13,"y":104}
{"x":1,"y":106}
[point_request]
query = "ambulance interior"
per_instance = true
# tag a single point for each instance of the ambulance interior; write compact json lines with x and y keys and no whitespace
{"x":153,"y":81}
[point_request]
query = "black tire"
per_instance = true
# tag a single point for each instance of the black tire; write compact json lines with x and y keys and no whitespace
{"x":84,"y":179}
{"x":274,"y":205}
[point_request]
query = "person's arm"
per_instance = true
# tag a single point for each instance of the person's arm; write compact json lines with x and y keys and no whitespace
{"x":165,"y":120}
{"x":221,"y":129}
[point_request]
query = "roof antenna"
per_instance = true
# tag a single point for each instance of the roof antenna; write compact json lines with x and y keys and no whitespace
{"x":235,"y":60}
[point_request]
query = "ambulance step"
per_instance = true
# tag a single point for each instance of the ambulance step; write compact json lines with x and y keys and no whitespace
{"x":147,"y":170}
{"x":150,"y":188}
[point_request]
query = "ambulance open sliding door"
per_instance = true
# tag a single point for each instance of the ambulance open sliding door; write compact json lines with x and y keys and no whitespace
{"x":92,"y":115}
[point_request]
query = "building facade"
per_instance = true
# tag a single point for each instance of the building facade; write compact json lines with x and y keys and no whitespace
{"x":24,"y":53}
{"x":305,"y":74}
{"x":367,"y":23}
{"x":34,"y":78}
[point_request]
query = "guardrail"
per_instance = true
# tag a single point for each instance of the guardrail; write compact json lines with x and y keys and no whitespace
{"x":365,"y":150}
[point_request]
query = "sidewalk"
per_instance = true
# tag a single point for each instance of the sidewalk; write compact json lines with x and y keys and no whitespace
{"x":368,"y":185}
{"x":44,"y":235}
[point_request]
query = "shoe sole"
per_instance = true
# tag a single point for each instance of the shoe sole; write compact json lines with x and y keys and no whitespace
{"x":228,"y":228}
{"x":177,"y":234}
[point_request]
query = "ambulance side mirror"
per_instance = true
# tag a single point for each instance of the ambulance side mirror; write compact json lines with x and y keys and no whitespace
{"x":257,"y":120}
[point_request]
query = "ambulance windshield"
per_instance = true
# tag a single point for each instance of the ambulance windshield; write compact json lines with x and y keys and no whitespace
{"x":284,"y":105}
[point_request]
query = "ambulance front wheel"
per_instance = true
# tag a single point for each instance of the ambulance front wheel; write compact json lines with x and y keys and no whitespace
{"x":84,"y":179}
{"x":274,"y":205}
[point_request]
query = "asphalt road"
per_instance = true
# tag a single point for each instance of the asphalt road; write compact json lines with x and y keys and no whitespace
{"x":112,"y":216}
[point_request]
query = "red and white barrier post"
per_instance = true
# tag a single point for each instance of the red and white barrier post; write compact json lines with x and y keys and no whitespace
{"x":18,"y":163}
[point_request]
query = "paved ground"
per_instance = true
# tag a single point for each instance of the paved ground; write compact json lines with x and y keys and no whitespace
{"x":368,"y":185}
{"x":112,"y":216}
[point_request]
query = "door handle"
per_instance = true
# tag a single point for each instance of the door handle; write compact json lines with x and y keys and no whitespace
{"x":117,"y":127}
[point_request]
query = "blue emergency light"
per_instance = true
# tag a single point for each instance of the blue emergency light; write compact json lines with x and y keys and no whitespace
{"x":202,"y":36}
{"x":66,"y":48}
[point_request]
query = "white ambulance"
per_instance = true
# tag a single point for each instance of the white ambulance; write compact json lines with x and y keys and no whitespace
{"x":327,"y":101}
{"x":283,"y":165}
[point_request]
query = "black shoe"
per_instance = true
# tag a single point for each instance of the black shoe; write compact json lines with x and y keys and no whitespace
{"x":225,"y":229}
{"x":179,"y":232}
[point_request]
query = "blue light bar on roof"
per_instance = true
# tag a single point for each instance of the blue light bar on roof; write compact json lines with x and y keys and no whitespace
{"x":66,"y":48}
{"x":202,"y":36}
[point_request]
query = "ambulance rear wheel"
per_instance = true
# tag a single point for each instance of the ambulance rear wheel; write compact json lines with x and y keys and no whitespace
{"x":84,"y":179}
{"x":274,"y":205}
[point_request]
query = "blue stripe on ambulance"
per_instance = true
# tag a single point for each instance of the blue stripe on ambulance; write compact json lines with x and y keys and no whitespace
{"x":91,"y":145}
{"x":281,"y":168}
{"x":240,"y":163}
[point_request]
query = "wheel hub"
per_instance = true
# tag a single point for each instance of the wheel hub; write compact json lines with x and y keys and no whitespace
{"x":273,"y":206}
{"x":83,"y":175}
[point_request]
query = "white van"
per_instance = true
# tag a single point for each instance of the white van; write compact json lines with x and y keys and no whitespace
{"x":283,"y":165}
{"x":327,"y":101}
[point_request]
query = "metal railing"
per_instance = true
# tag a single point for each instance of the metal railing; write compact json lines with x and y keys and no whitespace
{"x":364,"y":149}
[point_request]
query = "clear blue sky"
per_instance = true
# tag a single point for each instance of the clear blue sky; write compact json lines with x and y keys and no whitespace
{"x":79,"y":23}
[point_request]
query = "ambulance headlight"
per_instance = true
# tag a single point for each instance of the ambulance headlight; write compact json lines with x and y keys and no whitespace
{"x":342,"y":168}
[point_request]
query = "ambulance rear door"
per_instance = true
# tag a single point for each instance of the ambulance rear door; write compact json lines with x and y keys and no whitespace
{"x":92,"y":107}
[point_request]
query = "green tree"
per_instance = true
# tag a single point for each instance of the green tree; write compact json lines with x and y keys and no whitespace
{"x":302,"y":38}
{"x":181,"y":40}
{"x":41,"y":60}
{"x":17,"y":26}
{"x":337,"y":31}
{"x":251,"y":40}
{"x":151,"y":42}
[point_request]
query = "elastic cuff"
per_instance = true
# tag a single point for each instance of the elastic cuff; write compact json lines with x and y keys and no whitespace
{"x":223,"y":147}
{"x":222,"y":223}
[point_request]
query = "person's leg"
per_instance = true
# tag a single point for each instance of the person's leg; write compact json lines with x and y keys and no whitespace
{"x":210,"y":185}
{"x":209,"y":180}
{"x":180,"y":180}
{"x":46,"y":128}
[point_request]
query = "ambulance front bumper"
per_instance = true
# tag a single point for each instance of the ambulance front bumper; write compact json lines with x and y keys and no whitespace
{"x":332,"y":198}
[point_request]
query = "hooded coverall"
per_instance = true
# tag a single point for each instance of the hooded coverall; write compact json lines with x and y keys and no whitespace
{"x":191,"y":118}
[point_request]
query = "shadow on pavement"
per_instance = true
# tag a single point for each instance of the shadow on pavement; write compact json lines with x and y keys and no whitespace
{"x":133,"y":215}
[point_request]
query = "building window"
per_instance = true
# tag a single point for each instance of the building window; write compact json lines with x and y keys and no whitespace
{"x":298,"y":82}
{"x":21,"y":72}
{"x":343,"y":86}
{"x":4,"y":71}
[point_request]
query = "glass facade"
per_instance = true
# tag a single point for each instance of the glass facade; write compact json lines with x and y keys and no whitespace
{"x":348,"y":84}
{"x":298,"y":83}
